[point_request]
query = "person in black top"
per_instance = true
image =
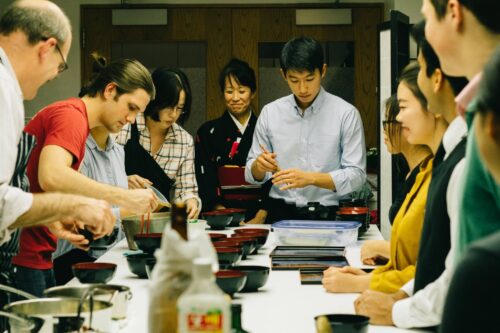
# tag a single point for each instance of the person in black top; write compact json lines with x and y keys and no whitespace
{"x":226,"y":141}
{"x":396,"y":144}
{"x":475,"y":279}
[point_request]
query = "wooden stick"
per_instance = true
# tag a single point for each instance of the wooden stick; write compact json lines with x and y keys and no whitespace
{"x":267,"y":152}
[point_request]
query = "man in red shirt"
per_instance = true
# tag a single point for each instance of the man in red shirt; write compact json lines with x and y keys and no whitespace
{"x":112,"y":99}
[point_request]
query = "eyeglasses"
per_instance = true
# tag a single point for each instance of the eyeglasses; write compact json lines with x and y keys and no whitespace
{"x":64,"y":65}
{"x":385,"y":123}
{"x":175,"y":110}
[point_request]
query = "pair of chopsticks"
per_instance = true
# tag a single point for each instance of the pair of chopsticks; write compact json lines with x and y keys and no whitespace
{"x":268,"y":152}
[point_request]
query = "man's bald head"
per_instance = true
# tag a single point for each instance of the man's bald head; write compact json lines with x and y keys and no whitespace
{"x":37,"y":19}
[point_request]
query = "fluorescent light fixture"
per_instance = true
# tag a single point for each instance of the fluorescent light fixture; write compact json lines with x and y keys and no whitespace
{"x":323,"y":16}
{"x":139,"y":16}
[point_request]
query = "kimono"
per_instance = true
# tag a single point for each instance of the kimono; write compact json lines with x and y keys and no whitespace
{"x":219,"y":142}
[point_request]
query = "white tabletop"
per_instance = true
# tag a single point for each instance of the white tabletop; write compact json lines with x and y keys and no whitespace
{"x":282,"y":305}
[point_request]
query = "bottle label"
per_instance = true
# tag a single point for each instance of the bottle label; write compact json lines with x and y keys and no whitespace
{"x":211,"y":321}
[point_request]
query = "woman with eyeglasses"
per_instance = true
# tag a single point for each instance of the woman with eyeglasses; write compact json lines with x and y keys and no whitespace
{"x":159,"y":150}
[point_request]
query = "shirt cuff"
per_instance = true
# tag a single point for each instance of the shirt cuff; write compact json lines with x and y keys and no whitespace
{"x":401,"y":313}
{"x":249,"y":176}
{"x":15,"y":202}
{"x":409,"y":287}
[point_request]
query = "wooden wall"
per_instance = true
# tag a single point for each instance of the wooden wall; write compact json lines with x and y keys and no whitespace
{"x":237,"y":31}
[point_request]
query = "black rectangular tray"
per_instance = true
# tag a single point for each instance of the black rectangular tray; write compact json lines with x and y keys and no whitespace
{"x":308,"y":252}
{"x":287,"y":263}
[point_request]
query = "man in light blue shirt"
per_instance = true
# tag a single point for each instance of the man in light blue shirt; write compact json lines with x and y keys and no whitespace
{"x":311,"y":143}
{"x":104,"y":162}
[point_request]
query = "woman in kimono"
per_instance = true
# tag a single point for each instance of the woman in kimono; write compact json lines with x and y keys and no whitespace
{"x":226,"y":141}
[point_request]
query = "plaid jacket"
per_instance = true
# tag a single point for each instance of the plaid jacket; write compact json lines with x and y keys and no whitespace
{"x":175,"y":157}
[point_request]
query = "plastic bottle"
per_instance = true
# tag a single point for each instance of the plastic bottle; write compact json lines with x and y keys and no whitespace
{"x":203,"y":307}
{"x":173,"y":276}
{"x":236,"y":319}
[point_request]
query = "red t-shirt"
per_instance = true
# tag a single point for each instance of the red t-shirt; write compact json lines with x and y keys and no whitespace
{"x":64,"y":124}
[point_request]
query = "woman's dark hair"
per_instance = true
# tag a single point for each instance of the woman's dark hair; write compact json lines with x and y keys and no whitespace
{"x":128,"y":75}
{"x":302,"y":53}
{"x":393,"y":127}
{"x":169,"y":83}
{"x":431,"y":59}
{"x":487,"y":99}
{"x":241,"y":72}
{"x":409,"y":76}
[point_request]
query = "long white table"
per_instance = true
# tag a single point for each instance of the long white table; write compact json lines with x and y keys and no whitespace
{"x":282,"y":305}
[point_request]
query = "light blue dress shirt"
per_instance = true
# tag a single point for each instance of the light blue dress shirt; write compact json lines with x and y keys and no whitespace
{"x":107,"y":167}
{"x":328,"y":138}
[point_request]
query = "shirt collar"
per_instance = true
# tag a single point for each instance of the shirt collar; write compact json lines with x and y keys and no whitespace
{"x":6,"y":63}
{"x":464,"y":98}
{"x":172,"y":132}
{"x":314,"y":107}
{"x":454,"y":134}
{"x":241,"y":127}
{"x":91,"y":144}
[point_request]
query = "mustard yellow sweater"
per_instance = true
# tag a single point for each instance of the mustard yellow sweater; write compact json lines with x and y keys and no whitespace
{"x":405,"y":236}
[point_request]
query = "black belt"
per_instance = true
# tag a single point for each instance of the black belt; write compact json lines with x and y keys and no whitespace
{"x":281,"y":210}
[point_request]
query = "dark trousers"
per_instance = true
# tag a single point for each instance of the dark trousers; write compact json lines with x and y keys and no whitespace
{"x":34,"y":281}
{"x":62,"y":264}
{"x":279,"y":210}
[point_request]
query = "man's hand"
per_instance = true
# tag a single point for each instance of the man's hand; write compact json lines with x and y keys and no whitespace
{"x":260,"y":218}
{"x":378,"y":306}
{"x":136,"y":182}
{"x":219,"y":207}
{"x":140,"y":201}
{"x":292,"y":178}
{"x":266,"y":162}
{"x":375,"y":252}
{"x":95,"y":214}
{"x":345,"y":280}
{"x":192,"y":208}
{"x":69,"y":232}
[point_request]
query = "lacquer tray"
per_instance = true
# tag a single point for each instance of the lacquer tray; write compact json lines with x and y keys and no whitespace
{"x":287,"y":263}
{"x":308,"y":252}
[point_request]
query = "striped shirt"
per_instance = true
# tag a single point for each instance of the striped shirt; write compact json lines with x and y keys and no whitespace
{"x":175,"y":157}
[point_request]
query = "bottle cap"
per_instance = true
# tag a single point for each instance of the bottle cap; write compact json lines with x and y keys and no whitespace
{"x":202,"y":268}
{"x":235,"y":307}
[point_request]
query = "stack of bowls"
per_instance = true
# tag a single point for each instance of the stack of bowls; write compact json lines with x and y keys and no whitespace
{"x":357,"y":214}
